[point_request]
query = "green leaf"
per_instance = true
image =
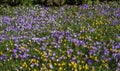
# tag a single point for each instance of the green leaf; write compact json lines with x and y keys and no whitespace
{"x":49,"y":2}
{"x":59,"y":2}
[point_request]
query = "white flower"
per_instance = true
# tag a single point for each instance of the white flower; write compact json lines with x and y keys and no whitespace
{"x":51,"y":66}
{"x":21,"y":67}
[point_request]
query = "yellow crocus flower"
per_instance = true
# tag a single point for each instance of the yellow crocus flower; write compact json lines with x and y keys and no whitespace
{"x":82,"y":62}
{"x":69,"y":64}
{"x":75,"y":70}
{"x":60,"y":69}
{"x":93,"y":69}
{"x":24,"y":64}
{"x":1,"y":52}
{"x":86,"y":66}
{"x":96,"y":58}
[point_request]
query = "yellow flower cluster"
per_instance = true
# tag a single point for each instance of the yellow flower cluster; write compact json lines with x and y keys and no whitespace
{"x":34,"y":61}
{"x":24,"y":65}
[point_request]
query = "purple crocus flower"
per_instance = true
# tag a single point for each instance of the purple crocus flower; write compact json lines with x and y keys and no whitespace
{"x":106,"y":51}
{"x":82,"y":43}
{"x":90,"y":61}
{"x":24,"y":55}
{"x":14,"y":50}
{"x":7,"y":20}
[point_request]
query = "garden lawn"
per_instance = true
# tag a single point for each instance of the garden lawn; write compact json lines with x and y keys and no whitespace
{"x":67,"y":38}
